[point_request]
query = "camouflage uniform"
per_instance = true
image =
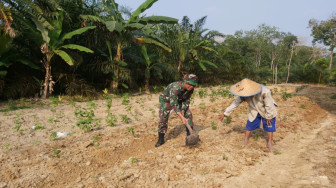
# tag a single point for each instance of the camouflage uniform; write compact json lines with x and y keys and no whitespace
{"x":176,"y":98}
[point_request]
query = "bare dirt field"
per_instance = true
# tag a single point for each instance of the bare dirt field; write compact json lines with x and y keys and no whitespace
{"x":32,"y":154}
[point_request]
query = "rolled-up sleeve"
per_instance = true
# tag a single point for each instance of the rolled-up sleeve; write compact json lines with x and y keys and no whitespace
{"x":233,"y":106}
{"x":269,"y":106}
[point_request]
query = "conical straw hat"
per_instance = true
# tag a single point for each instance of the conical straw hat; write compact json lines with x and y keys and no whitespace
{"x":246,"y":88}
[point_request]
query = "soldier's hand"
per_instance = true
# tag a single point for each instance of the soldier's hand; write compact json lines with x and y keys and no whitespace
{"x":221,"y":117}
{"x":184,"y":120}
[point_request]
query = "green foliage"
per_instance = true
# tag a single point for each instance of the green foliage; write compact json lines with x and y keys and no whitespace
{"x":228,"y":120}
{"x":333,"y":96}
{"x":187,"y":47}
{"x":225,"y":157}
{"x":131,"y":130}
{"x":111,"y":119}
{"x":86,"y":118}
{"x":256,"y":136}
{"x":96,"y":140}
{"x":52,"y":120}
{"x":56,"y":153}
{"x":15,"y":105}
{"x":202,"y":106}
{"x":125,"y":118}
{"x":153,"y":111}
{"x":300,"y":88}
{"x":224,"y":93}
{"x":202,"y":93}
{"x":53,"y":136}
{"x":286,"y":95}
{"x":276,"y":152}
{"x":38,"y":126}
{"x":133,"y":160}
{"x":303,"y":106}
{"x":125,"y":100}
{"x":55,"y":101}
{"x":213,"y":125}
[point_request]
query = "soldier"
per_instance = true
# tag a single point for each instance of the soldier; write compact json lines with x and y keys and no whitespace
{"x":262,"y":108}
{"x":176,"y":97}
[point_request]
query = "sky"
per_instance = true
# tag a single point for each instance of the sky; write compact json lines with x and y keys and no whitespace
{"x":229,"y":16}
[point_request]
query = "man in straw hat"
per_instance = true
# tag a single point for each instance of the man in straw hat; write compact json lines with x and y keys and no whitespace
{"x":176,"y":96}
{"x":261,"y":108}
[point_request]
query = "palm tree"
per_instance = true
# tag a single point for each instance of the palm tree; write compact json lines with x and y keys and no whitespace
{"x":116,"y":70}
{"x":191,"y":44}
{"x":6,"y":15}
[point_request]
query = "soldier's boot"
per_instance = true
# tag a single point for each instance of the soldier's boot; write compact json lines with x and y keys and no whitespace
{"x":161,"y":140}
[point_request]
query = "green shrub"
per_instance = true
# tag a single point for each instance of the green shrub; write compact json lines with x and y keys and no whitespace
{"x":333,"y":96}
{"x":286,"y":95}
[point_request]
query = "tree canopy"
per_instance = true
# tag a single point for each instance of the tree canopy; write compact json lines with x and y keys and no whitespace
{"x":59,"y":47}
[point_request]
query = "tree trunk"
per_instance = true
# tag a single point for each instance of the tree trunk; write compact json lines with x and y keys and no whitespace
{"x":46,"y":80}
{"x":258,"y":58}
{"x":115,"y":85}
{"x":116,"y":73}
{"x":320,"y":77}
{"x":147,"y":85}
{"x":276,"y":74}
{"x":115,"y":82}
{"x":179,"y":66}
{"x":331,"y":58}
{"x":289,"y":64}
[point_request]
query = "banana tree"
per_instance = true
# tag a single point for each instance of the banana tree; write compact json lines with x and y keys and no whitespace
{"x":44,"y":21}
{"x":114,"y":69}
{"x":151,"y":65}
{"x":54,"y":44}
{"x":122,"y":30}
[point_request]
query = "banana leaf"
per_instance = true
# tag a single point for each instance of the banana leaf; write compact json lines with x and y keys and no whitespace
{"x":77,"y":47}
{"x":75,"y":32}
{"x":202,"y":66}
{"x":134,"y":26}
{"x":114,"y":26}
{"x":28,"y":63}
{"x":44,"y":32}
{"x":5,"y":64}
{"x":144,"y":6}
{"x":158,"y":19}
{"x":153,"y":42}
{"x":66,"y":57}
{"x":122,"y":63}
{"x":92,"y":18}
{"x":209,"y":63}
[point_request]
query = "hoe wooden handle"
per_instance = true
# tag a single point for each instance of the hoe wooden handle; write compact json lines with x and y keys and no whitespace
{"x":189,"y":128}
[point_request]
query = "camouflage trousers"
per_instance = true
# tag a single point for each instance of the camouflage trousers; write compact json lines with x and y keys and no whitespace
{"x":164,"y":113}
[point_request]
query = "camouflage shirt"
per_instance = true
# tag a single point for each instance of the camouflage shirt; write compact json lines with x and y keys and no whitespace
{"x":176,"y":96}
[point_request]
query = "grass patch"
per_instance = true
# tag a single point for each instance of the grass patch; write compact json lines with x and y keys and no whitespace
{"x":286,"y":95}
{"x":16,"y":105}
{"x":333,"y":96}
{"x":213,"y":125}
